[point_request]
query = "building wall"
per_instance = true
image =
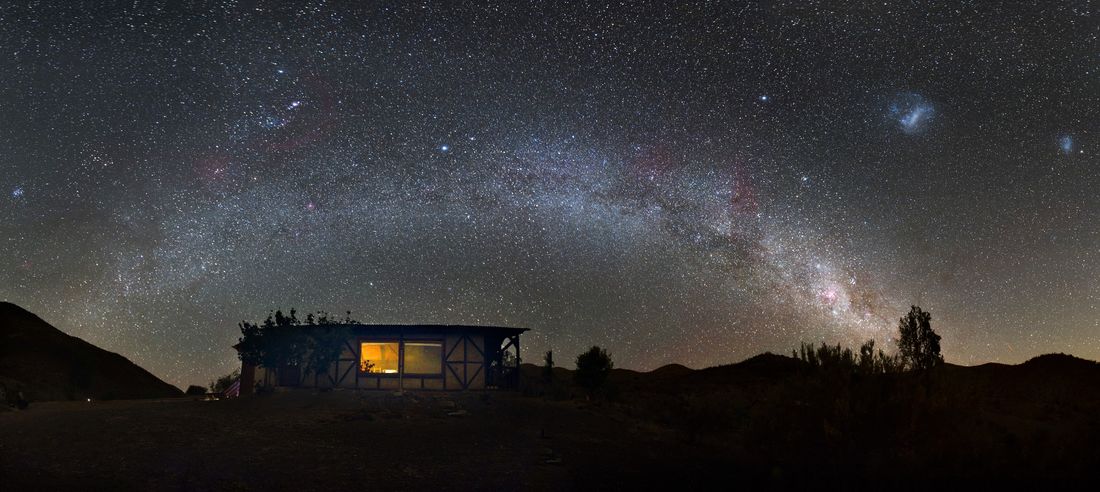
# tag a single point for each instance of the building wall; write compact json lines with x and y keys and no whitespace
{"x":465,"y":355}
{"x":464,"y":367}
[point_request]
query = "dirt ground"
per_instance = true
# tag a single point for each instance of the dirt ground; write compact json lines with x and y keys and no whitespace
{"x":766,"y":423}
{"x":352,"y":440}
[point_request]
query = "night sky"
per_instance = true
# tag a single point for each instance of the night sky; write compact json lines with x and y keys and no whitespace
{"x":692,"y":182}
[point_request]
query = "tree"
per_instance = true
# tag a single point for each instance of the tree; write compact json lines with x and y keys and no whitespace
{"x":867,"y":357}
{"x":195,"y":390}
{"x":325,"y":345}
{"x":548,"y":368}
{"x":593,"y":367}
{"x":284,"y":343}
{"x":918,"y":345}
{"x":282,"y":340}
{"x":250,"y":346}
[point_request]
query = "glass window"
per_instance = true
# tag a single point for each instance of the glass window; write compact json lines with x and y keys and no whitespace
{"x":423,"y":358}
{"x":378,"y":357}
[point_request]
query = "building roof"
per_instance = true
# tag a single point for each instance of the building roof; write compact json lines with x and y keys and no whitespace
{"x":389,"y":328}
{"x":398,"y":329}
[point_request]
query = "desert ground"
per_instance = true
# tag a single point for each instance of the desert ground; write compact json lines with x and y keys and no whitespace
{"x":334,"y":440}
{"x":763,"y":423}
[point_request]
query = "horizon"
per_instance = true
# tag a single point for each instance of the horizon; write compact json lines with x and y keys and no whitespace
{"x":538,"y":362}
{"x":690,"y":185}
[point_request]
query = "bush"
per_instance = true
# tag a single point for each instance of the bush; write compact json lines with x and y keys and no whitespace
{"x":842,"y":359}
{"x":593,"y":367}
{"x":195,"y":390}
{"x":223,"y":383}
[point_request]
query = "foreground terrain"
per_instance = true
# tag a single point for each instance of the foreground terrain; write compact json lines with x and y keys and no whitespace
{"x":768,"y":421}
{"x":303,"y":440}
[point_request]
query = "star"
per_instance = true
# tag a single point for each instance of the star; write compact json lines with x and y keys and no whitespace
{"x":613,"y":189}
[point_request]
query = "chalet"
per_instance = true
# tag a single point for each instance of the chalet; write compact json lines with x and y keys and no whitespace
{"x":407,"y":357}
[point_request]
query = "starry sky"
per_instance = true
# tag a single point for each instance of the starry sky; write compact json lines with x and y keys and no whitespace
{"x":692,"y":182}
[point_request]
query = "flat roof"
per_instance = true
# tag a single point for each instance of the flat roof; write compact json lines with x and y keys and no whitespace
{"x":369,"y":328}
{"x":496,"y":330}
{"x":365,"y":329}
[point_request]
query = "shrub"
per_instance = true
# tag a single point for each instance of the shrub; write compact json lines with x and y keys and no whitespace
{"x":841,"y":359}
{"x":593,"y":367}
{"x":195,"y":390}
{"x":223,"y":383}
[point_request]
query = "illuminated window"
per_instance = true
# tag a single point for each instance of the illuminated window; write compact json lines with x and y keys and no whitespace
{"x":423,"y":358}
{"x":378,"y":357}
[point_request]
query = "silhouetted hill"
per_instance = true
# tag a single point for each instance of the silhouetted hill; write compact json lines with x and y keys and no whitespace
{"x":671,"y":370}
{"x":991,"y":423}
{"x":47,"y":364}
{"x":1061,"y":362}
{"x":766,"y":365}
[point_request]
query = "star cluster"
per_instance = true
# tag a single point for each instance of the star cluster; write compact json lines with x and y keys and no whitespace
{"x":690,"y":182}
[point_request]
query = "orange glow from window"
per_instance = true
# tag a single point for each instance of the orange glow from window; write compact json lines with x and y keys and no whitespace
{"x":378,"y":357}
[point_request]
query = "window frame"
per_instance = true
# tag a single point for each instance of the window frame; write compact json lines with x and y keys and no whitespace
{"x":359,"y":363}
{"x":428,"y":375}
{"x":441,"y":341}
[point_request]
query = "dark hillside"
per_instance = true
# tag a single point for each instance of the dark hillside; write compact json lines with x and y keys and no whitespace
{"x":776,"y":415}
{"x":47,"y":364}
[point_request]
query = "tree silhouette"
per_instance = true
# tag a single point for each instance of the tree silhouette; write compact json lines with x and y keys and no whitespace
{"x":284,"y":343}
{"x":593,"y":367}
{"x":548,"y":368}
{"x":918,"y":345}
{"x":325,"y":344}
{"x":280,"y":340}
{"x":250,"y":346}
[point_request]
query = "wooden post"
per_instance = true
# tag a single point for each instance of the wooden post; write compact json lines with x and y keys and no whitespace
{"x":517,"y":362}
{"x":401,"y":363}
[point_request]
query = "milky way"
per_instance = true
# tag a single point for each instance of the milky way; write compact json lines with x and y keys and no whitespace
{"x":694,"y":182}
